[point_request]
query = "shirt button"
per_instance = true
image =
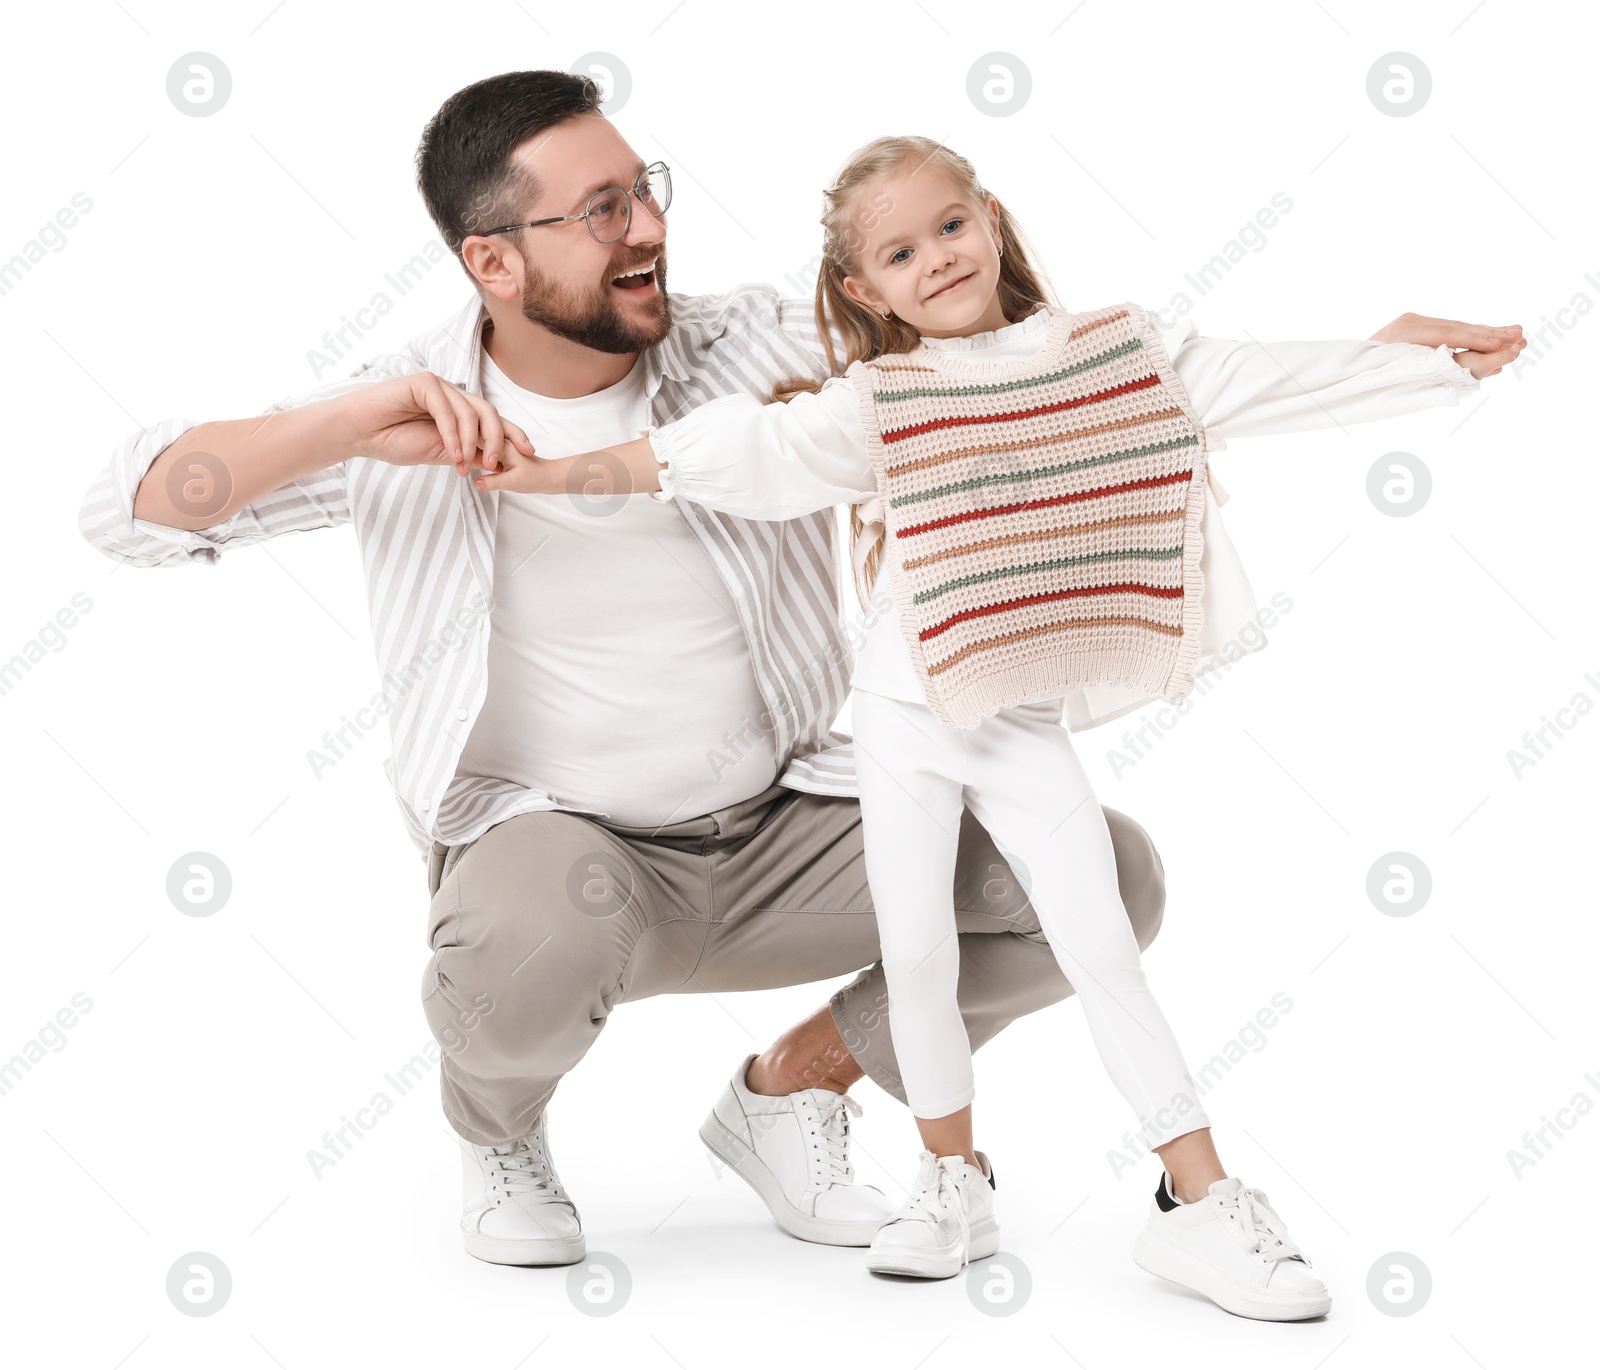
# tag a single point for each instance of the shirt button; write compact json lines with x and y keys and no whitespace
{"x":462,"y":715}
{"x":426,"y":805}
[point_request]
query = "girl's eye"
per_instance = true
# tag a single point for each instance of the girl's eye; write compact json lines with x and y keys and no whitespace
{"x":897,"y":258}
{"x":956,"y":222}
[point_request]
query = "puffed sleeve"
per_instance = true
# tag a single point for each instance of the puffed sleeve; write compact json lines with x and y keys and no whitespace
{"x":1254,"y":389}
{"x":767,"y":461}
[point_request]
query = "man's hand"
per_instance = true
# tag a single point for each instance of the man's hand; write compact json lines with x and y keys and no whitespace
{"x":415,"y":420}
{"x":1486,"y":349}
{"x":421,"y":420}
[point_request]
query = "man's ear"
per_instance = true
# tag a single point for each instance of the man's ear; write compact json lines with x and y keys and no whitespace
{"x":863,"y":294}
{"x":495,"y":265}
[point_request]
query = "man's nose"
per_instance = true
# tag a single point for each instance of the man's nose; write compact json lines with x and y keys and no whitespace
{"x":644,"y":229}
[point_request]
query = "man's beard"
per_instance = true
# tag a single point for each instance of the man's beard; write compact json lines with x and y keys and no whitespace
{"x":593,"y":319}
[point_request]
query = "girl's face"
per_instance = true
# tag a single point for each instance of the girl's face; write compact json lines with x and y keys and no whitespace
{"x":928,"y":251}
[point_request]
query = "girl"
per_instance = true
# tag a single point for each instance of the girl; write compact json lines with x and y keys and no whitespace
{"x":1037,"y":482}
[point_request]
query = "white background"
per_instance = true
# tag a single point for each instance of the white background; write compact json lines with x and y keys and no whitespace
{"x":1379,"y":1112}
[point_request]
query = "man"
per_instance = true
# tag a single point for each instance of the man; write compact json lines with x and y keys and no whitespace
{"x":611,"y":731}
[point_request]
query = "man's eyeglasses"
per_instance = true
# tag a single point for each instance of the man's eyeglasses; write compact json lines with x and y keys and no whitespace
{"x":609,"y":212}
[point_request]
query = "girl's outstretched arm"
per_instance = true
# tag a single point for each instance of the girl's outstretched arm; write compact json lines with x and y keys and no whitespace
{"x":627,"y":468}
{"x":734,"y":454}
{"x":1248,"y":388}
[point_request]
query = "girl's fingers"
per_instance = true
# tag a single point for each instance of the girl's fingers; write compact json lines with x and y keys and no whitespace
{"x":1475,"y":336}
{"x":1485,"y":362}
{"x":1478,"y":337}
{"x":1496,"y":338}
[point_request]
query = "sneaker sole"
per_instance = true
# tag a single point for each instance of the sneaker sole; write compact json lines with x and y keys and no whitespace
{"x":1171,"y":1263}
{"x":524,"y":1250}
{"x":939,"y":1265}
{"x":753,"y":1171}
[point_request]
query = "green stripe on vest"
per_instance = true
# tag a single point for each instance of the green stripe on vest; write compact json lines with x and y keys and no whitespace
{"x":979,"y":577}
{"x":917,"y":496}
{"x":1001,"y":387}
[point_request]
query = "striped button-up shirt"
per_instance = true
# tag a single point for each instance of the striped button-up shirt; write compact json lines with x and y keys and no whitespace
{"x":427,"y":544}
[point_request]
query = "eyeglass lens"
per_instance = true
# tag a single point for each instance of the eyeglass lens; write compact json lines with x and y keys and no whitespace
{"x":609,"y":210}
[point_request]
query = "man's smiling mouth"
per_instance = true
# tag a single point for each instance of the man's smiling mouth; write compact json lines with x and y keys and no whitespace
{"x":640,"y":278}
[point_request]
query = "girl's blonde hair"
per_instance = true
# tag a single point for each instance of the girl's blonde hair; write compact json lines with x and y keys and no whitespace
{"x":847,"y":214}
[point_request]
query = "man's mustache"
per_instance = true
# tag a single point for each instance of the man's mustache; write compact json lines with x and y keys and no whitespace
{"x":658,"y":253}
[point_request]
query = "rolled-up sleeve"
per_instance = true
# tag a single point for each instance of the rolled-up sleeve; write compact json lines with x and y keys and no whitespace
{"x":318,"y":500}
{"x":1254,"y":389}
{"x":106,"y":519}
{"x":767,"y":461}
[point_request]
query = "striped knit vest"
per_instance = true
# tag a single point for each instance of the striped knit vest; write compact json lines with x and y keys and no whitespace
{"x":1045,"y":512}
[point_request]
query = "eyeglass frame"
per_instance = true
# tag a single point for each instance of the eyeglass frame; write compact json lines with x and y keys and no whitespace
{"x":628,"y":196}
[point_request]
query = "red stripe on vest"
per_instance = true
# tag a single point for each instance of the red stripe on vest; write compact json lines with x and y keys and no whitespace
{"x":901,"y":434}
{"x":987,"y":609}
{"x":1045,"y":503}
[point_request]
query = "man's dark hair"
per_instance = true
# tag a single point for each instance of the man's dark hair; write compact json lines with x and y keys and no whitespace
{"x":464,"y":167}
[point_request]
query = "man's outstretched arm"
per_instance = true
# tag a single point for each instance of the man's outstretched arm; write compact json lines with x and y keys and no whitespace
{"x":410,"y":420}
{"x":179,"y":491}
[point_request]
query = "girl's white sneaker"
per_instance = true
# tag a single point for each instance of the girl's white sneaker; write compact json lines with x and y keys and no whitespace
{"x":1232,"y":1247}
{"x":948,"y":1220}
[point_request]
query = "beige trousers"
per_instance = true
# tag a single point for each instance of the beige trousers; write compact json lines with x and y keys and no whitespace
{"x":546,"y":922}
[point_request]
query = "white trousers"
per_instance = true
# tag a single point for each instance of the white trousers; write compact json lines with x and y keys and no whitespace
{"x":1018,"y":773}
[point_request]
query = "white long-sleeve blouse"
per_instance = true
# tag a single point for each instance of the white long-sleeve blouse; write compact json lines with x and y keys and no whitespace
{"x":780,"y":461}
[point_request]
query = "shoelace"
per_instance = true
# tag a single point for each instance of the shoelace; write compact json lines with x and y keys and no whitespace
{"x":1261,"y":1229}
{"x":523,"y":1168}
{"x":934,"y":1193}
{"x":833,"y":1132}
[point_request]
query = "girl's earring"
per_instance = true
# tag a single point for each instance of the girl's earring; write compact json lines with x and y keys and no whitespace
{"x":886,"y":313}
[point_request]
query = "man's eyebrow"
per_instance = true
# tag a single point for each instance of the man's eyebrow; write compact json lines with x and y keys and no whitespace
{"x":598,"y":186}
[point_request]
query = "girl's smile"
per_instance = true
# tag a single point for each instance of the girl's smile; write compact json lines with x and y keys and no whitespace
{"x":945,"y":290}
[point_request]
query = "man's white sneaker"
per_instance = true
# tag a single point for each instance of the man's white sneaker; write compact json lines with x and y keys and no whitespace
{"x":514,"y":1210}
{"x":1233,"y":1248}
{"x":794,"y":1151}
{"x":948,"y":1220}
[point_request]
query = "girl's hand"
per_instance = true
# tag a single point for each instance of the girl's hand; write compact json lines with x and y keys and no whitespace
{"x":1486,"y":349}
{"x":527,"y":475}
{"x":629,"y":468}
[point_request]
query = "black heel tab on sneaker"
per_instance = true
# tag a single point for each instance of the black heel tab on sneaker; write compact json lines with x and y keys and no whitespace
{"x":985,"y":1167}
{"x":1164,"y":1199}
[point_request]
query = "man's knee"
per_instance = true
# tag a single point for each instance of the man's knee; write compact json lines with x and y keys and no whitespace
{"x":1141,"y":878}
{"x":529,"y":942}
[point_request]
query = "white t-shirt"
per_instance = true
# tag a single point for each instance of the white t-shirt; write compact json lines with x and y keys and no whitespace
{"x":619,"y":681}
